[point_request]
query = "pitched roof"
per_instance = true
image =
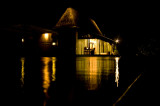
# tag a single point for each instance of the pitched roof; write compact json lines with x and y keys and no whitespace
{"x":69,"y":18}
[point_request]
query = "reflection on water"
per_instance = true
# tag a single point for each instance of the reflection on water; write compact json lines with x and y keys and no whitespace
{"x":91,"y":74}
{"x":48,"y":71}
{"x":22,"y":71}
{"x":86,"y":69}
{"x":53,"y":68}
{"x":92,"y":70}
{"x":117,"y":71}
{"x":48,"y":74}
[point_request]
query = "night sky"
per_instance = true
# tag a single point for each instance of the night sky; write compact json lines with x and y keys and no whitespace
{"x":108,"y":15}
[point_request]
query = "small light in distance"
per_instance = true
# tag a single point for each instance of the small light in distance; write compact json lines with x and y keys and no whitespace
{"x":54,"y":43}
{"x":117,"y":41}
{"x":22,"y":40}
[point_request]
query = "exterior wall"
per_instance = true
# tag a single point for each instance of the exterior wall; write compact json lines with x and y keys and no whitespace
{"x":67,"y":39}
{"x":47,"y":44}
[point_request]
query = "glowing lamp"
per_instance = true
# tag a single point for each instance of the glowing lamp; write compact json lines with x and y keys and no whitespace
{"x":22,"y":40}
{"x":53,"y":43}
{"x":117,"y":41}
{"x":46,"y":36}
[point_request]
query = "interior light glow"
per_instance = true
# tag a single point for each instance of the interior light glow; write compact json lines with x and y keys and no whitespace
{"x":93,"y":41}
{"x":46,"y":36}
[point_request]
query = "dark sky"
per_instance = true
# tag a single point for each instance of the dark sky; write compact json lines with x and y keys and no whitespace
{"x":111,"y":16}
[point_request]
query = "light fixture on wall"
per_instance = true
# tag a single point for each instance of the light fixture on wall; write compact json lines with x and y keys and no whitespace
{"x":46,"y":36}
{"x":117,"y":40}
{"x":22,"y":40}
{"x":53,"y":43}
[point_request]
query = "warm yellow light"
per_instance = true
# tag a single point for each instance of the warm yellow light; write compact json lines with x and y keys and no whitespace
{"x":93,"y":74}
{"x":22,"y":40}
{"x":54,"y":43}
{"x":117,"y":41}
{"x":93,"y":41}
{"x":22,"y":70}
{"x":117,"y":71}
{"x":46,"y":74}
{"x":53,"y":68}
{"x":46,"y":36}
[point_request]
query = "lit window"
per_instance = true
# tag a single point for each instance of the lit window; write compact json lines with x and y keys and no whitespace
{"x":46,"y":36}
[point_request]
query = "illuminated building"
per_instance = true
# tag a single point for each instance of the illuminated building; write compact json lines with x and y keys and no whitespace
{"x":82,"y":35}
{"x":32,"y":39}
{"x":74,"y":34}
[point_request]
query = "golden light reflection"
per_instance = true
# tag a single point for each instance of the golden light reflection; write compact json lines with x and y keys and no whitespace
{"x":22,"y":70}
{"x":87,"y":71}
{"x":53,"y":68}
{"x":117,"y":71}
{"x":93,"y":75}
{"x":46,"y":74}
{"x":92,"y":71}
{"x":49,"y":71}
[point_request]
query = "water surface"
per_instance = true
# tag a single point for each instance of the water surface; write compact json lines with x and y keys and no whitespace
{"x":48,"y":81}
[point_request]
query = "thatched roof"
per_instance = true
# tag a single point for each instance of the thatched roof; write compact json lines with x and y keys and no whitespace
{"x":69,"y":18}
{"x":72,"y":19}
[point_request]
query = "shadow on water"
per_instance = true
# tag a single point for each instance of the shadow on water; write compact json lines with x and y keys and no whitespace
{"x":48,"y":81}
